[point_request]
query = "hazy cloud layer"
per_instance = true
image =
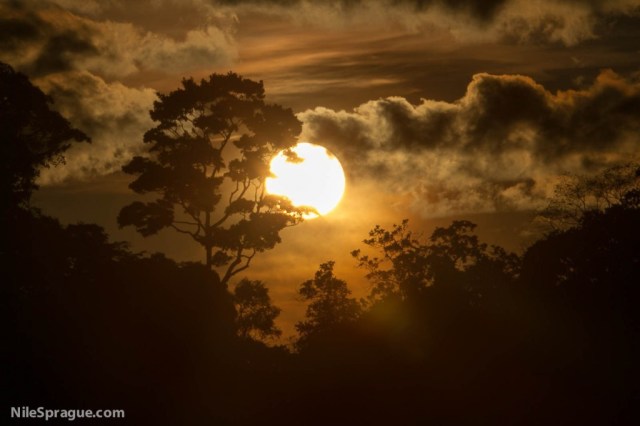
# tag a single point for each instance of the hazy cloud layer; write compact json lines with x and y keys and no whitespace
{"x":499,"y":147}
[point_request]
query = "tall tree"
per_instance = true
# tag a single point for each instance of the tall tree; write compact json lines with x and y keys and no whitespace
{"x":208,"y":160}
{"x":33,"y":135}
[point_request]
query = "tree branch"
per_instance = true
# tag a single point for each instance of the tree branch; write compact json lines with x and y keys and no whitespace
{"x":193,"y":216}
{"x":226,"y":215}
{"x":180,"y":222}
{"x":231,"y":271}
{"x":184,"y":231}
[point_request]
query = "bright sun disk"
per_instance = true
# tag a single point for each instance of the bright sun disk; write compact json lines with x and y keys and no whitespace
{"x":315,"y":180}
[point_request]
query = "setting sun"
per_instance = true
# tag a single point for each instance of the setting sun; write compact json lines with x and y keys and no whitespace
{"x":315,"y":179}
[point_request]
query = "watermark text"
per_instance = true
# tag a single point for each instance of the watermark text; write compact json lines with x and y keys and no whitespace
{"x":67,"y":414}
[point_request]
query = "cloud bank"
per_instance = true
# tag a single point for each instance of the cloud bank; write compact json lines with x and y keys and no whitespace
{"x":500,"y":147}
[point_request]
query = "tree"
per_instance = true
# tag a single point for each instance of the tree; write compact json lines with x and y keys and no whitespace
{"x":602,"y":240}
{"x":577,"y":195}
{"x":330,"y":303}
{"x":208,"y":160}
{"x":450,"y":256}
{"x":585,"y":279}
{"x":255,"y":313}
{"x":33,"y":135}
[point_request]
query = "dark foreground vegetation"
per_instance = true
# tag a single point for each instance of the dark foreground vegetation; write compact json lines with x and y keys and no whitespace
{"x":454,"y":332}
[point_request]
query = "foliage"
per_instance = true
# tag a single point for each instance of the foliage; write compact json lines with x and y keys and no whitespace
{"x":111,"y":322}
{"x":577,"y":195}
{"x":330,"y":304}
{"x":208,"y":160}
{"x":453,"y":255}
{"x":255,"y":313}
{"x":572,"y":259}
{"x":33,"y":135}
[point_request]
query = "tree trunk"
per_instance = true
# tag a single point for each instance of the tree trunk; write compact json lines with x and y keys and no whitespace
{"x":208,"y":250}
{"x":207,"y":236}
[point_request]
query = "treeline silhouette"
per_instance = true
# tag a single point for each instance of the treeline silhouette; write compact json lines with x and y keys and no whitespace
{"x":455,"y":331}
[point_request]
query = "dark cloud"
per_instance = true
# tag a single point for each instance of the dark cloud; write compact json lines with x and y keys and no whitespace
{"x":20,"y":29}
{"x":593,"y":120}
{"x":14,"y":32}
{"x":480,"y":9}
{"x":483,"y":10}
{"x":500,"y":146}
{"x":49,"y":47}
{"x":59,"y":51}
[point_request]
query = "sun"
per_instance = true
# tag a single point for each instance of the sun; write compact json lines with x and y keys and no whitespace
{"x":314,"y":179}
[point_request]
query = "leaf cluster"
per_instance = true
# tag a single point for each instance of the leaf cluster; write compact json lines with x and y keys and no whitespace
{"x":330,"y":303}
{"x":255,"y":313}
{"x":33,"y":135}
{"x":406,"y":265}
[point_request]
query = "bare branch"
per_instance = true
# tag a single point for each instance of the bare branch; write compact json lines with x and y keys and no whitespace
{"x":180,"y":222}
{"x":193,"y":216}
{"x":234,"y":192}
{"x":246,"y":264}
{"x":184,"y":231}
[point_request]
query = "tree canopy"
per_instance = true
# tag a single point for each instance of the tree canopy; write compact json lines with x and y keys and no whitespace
{"x":33,"y":135}
{"x":406,"y":265}
{"x":255,"y":313}
{"x":576,"y":195}
{"x":330,"y":303}
{"x":208,"y":159}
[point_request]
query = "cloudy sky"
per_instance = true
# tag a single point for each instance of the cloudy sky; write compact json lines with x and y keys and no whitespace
{"x":438,"y":109}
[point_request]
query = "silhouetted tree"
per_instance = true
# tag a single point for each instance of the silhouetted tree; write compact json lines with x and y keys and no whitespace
{"x":208,"y":160}
{"x":407,"y":266}
{"x":583,"y":279}
{"x":33,"y":135}
{"x":330,"y":303}
{"x":578,"y":195}
{"x":255,"y":313}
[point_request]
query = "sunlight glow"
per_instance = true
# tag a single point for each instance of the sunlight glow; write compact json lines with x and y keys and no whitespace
{"x":316,"y":181}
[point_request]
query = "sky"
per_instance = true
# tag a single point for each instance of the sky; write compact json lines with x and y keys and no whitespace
{"x":437,"y":109}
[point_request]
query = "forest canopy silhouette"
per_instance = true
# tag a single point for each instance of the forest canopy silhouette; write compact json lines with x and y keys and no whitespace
{"x":454,"y":330}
